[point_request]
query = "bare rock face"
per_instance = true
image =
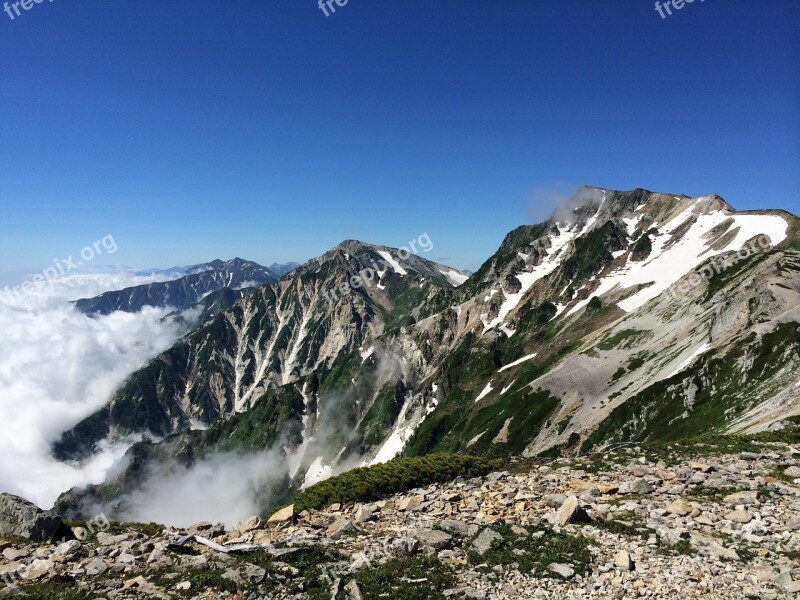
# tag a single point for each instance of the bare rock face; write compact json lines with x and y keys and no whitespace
{"x":21,"y":518}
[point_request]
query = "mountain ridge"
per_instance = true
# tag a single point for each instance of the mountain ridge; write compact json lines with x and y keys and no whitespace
{"x":559,"y":341}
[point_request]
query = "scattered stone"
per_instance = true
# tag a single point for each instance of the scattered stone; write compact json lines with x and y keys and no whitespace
{"x":410,"y":503}
{"x":793,"y":472}
{"x":363,"y":515}
{"x":747,"y":498}
{"x":353,"y":591}
{"x":341,"y":527}
{"x":739,"y":516}
{"x":637,"y":486}
{"x":249,"y":524}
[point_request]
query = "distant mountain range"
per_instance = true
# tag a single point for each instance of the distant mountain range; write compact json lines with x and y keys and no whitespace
{"x":626,"y":317}
{"x":195,"y":285}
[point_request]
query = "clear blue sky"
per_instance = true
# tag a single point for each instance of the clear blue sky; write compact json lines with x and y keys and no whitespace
{"x":263,"y":129}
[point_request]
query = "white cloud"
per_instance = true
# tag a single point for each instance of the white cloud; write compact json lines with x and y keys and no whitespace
{"x":223,"y":487}
{"x":58,"y":366}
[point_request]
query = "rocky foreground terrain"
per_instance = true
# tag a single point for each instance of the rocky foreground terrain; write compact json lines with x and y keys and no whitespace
{"x":715,"y":518}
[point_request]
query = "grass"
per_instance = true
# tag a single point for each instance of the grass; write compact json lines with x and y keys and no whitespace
{"x":721,"y":444}
{"x":210,"y":579}
{"x":680,"y":548}
{"x":622,"y":528}
{"x":710,"y":493}
{"x":65,"y":589}
{"x":418,"y":578}
{"x":309,"y":564}
{"x":366,"y":484}
{"x":535,"y":552}
{"x":616,"y":340}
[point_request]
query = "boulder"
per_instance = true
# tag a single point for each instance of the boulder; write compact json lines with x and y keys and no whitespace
{"x":484,"y":541}
{"x":624,"y":561}
{"x":571,"y":512}
{"x":21,"y":518}
{"x":562,"y":570}
{"x":284,"y":515}
{"x":637,"y":486}
{"x":249,"y":524}
{"x":433,"y":538}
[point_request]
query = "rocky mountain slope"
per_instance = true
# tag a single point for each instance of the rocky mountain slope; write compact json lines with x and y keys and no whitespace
{"x":712,"y":517}
{"x":185,"y":291}
{"x":628,"y":316}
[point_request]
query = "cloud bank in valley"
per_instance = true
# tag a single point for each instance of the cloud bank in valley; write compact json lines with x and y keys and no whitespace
{"x":57,"y":367}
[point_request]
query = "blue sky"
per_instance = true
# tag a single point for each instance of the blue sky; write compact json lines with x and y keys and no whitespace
{"x":269,"y":131}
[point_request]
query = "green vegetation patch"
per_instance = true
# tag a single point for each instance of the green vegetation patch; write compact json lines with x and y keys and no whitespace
{"x":366,"y":484}
{"x":535,"y":551}
{"x":418,"y":578}
{"x":63,"y":589}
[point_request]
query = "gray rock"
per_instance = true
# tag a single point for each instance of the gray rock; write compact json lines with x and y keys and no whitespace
{"x":68,"y":550}
{"x":287,"y":553}
{"x":555,"y":500}
{"x":484,"y":541}
{"x":562,"y":570}
{"x":433,"y":538}
{"x":571,"y":512}
{"x":38,"y":569}
{"x":456,"y":527}
{"x":739,"y":516}
{"x":248,"y":524}
{"x":21,"y":518}
{"x":746,"y":498}
{"x":363,"y":515}
{"x":624,"y":561}
{"x":410,"y":502}
{"x":246,"y":573}
{"x":341,"y":527}
{"x":96,"y":566}
{"x":13,"y":554}
{"x":353,"y":591}
{"x":106,"y":539}
{"x":403,"y":547}
{"x":637,"y":486}
{"x":284,"y":515}
{"x":793,"y":472}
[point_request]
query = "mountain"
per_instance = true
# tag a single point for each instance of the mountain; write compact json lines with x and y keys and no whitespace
{"x":627,"y":316}
{"x":282,"y":269}
{"x":183,"y":292}
{"x":276,"y":336}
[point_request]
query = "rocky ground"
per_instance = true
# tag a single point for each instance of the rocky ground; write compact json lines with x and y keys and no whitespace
{"x":677,"y":523}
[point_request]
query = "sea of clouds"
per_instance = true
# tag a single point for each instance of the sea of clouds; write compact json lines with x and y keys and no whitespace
{"x":57,"y":366}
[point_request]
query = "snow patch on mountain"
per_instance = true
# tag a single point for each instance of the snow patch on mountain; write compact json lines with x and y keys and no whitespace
{"x":485,"y":392}
{"x":667,"y":265}
{"x":454,"y":277}
{"x":519,"y":361}
{"x":392,"y":263}
{"x":547,"y":266}
{"x":701,"y":350}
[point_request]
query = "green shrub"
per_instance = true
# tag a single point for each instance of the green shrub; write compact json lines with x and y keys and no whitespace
{"x":366,"y":484}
